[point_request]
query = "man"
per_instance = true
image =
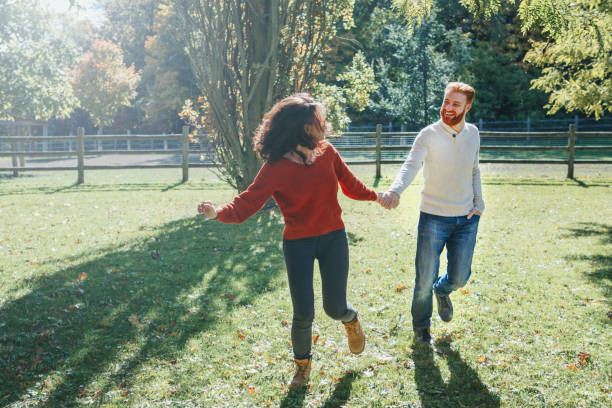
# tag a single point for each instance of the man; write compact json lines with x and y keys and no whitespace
{"x":451,"y":205}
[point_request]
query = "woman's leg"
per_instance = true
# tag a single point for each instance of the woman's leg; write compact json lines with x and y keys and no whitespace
{"x":299,"y":259}
{"x":333,"y":256}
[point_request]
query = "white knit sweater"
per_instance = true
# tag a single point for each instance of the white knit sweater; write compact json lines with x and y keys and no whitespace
{"x":452,"y":175}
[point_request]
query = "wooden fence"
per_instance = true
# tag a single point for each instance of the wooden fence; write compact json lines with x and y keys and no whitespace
{"x":17,"y":150}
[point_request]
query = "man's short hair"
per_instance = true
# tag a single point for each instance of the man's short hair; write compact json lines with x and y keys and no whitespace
{"x":463,"y":88}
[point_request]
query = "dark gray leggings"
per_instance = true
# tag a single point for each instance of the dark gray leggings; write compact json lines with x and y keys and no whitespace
{"x":331,"y":250}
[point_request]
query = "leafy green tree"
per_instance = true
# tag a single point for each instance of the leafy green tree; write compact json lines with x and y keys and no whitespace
{"x":248,"y":54}
{"x":103,"y":83}
{"x":574,"y":54}
{"x":167,"y":80}
{"x":355,"y":85}
{"x":36,"y":52}
{"x":576,"y":58}
{"x":413,"y":64}
{"x":129,"y":23}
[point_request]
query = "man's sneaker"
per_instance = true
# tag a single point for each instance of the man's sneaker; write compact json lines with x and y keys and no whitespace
{"x":422,"y":335}
{"x":302,"y":372}
{"x":356,"y":337}
{"x":445,"y":307}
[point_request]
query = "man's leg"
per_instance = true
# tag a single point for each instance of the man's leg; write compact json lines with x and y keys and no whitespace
{"x":430,"y":242}
{"x":460,"y":250}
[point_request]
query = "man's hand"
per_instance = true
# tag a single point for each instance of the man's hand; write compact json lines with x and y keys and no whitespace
{"x":208,"y":209}
{"x":388,"y":199}
{"x":473,"y":212}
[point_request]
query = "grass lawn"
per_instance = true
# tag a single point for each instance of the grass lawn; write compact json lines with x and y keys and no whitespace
{"x":113,"y":294}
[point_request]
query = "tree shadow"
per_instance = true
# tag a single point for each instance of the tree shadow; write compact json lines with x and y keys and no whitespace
{"x":601,"y":272}
{"x":91,"y":188}
{"x":342,"y":392}
{"x":464,"y":388}
{"x":115,"y":309}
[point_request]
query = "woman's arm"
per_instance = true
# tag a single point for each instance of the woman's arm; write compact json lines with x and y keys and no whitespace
{"x":351,"y":186}
{"x":247,"y":203}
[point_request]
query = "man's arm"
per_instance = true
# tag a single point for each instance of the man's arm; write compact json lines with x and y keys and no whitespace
{"x":407,"y":173}
{"x":479,"y":204}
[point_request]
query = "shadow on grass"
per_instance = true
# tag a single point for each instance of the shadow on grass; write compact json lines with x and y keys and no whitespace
{"x":601,"y":272}
{"x":341,"y":394}
{"x":88,"y":328}
{"x":546,"y":182}
{"x":96,"y":188}
{"x":464,"y":388}
{"x":342,"y":391}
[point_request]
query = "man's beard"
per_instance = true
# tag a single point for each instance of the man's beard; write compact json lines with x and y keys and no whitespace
{"x":451,"y":121}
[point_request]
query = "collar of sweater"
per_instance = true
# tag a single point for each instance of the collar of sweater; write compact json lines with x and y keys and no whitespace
{"x":449,"y":129}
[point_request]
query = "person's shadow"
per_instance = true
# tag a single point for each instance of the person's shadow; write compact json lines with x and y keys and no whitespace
{"x":464,"y":388}
{"x":342,"y":392}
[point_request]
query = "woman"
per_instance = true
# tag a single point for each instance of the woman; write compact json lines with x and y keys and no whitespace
{"x":302,"y":171}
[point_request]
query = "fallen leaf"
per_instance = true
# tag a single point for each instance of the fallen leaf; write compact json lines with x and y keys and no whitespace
{"x":315,"y":338}
{"x":241,"y":335}
{"x":252,"y":390}
{"x":400,"y":287}
{"x":284,"y":323}
{"x":572,"y":367}
{"x":368,"y":270}
{"x":516,"y":357}
{"x":481,"y":359}
{"x":464,"y":291}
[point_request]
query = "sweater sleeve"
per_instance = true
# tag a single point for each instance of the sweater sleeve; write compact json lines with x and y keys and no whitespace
{"x":479,"y":204}
{"x":351,"y":186}
{"x":249,"y":201}
{"x":411,"y":166}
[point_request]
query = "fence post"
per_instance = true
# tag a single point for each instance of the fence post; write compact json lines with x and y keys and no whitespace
{"x":185,"y":153}
{"x":378,"y":148}
{"x":528,"y":128}
{"x":14,"y":149}
{"x":571,"y":143}
{"x":480,"y":125}
{"x":80,"y":154}
{"x":22,"y":133}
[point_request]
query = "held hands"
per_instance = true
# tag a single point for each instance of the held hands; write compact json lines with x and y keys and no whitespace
{"x":388,"y":199}
{"x":208,"y":209}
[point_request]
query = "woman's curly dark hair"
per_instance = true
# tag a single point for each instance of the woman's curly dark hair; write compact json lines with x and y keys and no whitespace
{"x":282,"y":128}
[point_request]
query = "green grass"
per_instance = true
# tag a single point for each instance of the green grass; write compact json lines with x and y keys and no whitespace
{"x":113,"y":293}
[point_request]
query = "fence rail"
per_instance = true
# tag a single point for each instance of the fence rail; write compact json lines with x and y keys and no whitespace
{"x":368,"y":143}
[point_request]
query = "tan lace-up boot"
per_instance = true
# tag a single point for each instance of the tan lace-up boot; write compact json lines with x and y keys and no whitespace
{"x":356,"y":337}
{"x":302,"y":372}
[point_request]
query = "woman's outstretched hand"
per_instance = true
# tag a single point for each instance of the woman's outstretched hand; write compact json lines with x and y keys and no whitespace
{"x":208,"y":209}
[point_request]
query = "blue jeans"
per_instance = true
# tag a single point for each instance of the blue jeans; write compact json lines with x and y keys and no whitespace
{"x":332,"y":252}
{"x":458,"y":234}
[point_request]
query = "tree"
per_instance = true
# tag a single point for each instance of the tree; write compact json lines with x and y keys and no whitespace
{"x":103,"y":83}
{"x":246,"y":54}
{"x":167,"y":79}
{"x":413,"y":64}
{"x":576,"y":59}
{"x":356,"y":84}
{"x":35,"y":55}
{"x":575,"y":55}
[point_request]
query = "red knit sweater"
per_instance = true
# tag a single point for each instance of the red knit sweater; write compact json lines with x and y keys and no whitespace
{"x":306,"y":195}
